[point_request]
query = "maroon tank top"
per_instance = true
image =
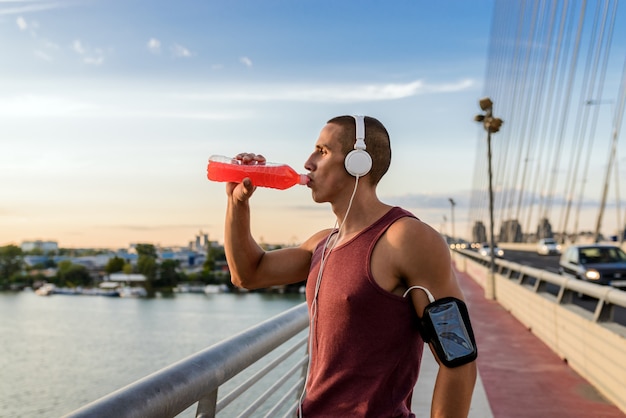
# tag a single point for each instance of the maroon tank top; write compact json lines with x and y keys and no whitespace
{"x":365,"y":346}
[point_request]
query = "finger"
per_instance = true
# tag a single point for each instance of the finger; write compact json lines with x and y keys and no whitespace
{"x":242,"y":156}
{"x":241,"y":191}
{"x":250,"y":158}
{"x":249,"y":188}
{"x":247,"y":157}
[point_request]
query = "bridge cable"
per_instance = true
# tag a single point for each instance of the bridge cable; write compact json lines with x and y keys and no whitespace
{"x":606,"y":47}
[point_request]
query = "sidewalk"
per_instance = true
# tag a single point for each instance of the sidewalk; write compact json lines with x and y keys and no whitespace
{"x":424,"y":390}
{"x":519,"y":376}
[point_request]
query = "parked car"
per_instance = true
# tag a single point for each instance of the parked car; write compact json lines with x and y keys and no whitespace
{"x":485,"y":249}
{"x":548,"y":246}
{"x":596,"y":263}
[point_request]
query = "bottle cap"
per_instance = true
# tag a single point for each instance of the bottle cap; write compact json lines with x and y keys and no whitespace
{"x":304,"y":179}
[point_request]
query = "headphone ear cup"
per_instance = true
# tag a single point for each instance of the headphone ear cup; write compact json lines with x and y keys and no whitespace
{"x":358,"y":162}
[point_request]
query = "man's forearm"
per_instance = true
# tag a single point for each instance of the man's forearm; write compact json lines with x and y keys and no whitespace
{"x":242,"y":252}
{"x":452,"y":395}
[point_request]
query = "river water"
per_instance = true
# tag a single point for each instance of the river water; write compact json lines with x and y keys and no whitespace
{"x":60,"y":352}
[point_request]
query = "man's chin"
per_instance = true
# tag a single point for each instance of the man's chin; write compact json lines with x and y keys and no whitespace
{"x":317,"y":198}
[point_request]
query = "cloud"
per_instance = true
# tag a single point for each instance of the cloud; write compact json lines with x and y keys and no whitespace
{"x":21,"y":23}
{"x":181,"y":52}
{"x":95,"y":60}
{"x":40,"y":54}
{"x":77,"y":46}
{"x":246,"y":61}
{"x":29,"y":105}
{"x":49,"y":44}
{"x":27,"y":6}
{"x":208,"y":103}
{"x":24,"y":25}
{"x":334,"y":93}
{"x":451,"y":88}
{"x":427,"y":201}
{"x":90,"y":56}
{"x":31,"y":27}
{"x":154,"y":46}
{"x":45,"y":53}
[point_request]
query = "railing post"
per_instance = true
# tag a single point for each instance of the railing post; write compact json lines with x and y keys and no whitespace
{"x":304,"y":374}
{"x":207,"y":406}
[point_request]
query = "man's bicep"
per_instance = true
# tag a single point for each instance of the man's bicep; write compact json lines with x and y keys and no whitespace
{"x":284,"y":266}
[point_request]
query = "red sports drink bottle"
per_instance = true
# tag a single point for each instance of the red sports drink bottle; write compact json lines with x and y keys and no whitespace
{"x":276,"y":176}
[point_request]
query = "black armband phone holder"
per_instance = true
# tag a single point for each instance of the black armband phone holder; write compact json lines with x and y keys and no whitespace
{"x":446,"y":325}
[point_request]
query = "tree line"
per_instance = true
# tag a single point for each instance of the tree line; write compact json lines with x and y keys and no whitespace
{"x":162,"y":275}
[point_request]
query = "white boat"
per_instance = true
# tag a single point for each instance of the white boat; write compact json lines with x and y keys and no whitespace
{"x":215,"y":288}
{"x":132,"y":292}
{"x":46,"y":290}
{"x":188,"y":288}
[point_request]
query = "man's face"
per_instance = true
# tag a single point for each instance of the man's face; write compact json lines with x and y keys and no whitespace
{"x":326,"y":166}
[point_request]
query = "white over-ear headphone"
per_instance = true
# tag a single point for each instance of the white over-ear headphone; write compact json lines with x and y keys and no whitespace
{"x":358,"y":162}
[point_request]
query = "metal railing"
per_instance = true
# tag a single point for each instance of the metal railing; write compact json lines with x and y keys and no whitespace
{"x":196,"y":379}
{"x":605,"y":300}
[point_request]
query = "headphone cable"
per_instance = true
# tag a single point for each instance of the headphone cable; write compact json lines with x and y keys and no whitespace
{"x":318,"y":282}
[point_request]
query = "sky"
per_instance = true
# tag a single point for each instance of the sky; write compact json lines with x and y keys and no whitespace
{"x":110,"y":109}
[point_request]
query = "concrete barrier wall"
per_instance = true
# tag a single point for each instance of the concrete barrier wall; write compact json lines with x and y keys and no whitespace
{"x":532,"y":246}
{"x":591,"y":349}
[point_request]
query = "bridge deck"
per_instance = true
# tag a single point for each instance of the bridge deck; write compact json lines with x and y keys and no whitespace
{"x":519,"y":376}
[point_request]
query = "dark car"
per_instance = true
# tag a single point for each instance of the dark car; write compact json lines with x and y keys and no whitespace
{"x":595,"y":263}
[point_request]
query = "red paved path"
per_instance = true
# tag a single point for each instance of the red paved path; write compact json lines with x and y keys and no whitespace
{"x":522,"y":377}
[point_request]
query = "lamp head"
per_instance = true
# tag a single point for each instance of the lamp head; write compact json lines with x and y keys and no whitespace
{"x":485,"y":103}
{"x":495,"y":124}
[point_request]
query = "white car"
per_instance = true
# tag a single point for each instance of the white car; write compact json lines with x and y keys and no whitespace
{"x":548,"y":246}
{"x":485,"y":249}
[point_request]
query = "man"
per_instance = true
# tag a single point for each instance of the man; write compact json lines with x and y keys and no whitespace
{"x":365,"y":347}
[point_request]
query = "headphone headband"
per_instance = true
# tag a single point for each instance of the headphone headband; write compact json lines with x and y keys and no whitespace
{"x":359,"y":121}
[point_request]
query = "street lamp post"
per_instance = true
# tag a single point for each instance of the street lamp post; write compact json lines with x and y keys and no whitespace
{"x":491,"y":125}
{"x":452,"y":204}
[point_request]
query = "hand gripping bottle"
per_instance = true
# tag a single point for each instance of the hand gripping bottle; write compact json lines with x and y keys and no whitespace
{"x":276,"y":176}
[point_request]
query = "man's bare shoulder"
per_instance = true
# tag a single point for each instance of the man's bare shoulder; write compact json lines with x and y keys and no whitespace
{"x":417,"y":234}
{"x":311,"y":243}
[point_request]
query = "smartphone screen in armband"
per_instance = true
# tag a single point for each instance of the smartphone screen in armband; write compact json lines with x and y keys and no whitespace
{"x":447,"y":325}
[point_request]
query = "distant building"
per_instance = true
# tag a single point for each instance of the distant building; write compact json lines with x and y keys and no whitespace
{"x":121,"y":277}
{"x":93,"y":262}
{"x":44,"y":246}
{"x":544,"y":229}
{"x":510,"y":231}
{"x":201,"y":243}
{"x":479,"y":232}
